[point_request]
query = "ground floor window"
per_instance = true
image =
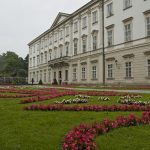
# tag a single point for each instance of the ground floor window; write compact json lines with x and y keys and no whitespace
{"x":37,"y":76}
{"x":66,"y":75}
{"x":74,"y":73}
{"x":149,"y":68}
{"x":110,"y":71}
{"x":83,"y":73}
{"x":128,"y":66}
{"x":94,"y":72}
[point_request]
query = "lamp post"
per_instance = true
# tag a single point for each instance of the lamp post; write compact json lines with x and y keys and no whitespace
{"x":103,"y":39}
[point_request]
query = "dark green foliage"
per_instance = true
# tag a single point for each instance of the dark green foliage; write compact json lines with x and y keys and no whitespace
{"x":11,"y":65}
{"x":40,"y":82}
{"x":55,"y":82}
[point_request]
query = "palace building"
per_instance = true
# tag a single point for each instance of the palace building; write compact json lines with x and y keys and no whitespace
{"x":71,"y":50}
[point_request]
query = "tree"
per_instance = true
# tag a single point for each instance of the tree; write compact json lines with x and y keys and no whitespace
{"x":12,"y":65}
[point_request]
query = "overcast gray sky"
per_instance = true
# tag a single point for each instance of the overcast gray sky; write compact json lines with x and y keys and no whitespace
{"x":22,"y":20}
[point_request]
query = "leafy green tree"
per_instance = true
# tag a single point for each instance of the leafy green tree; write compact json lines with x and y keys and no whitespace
{"x":12,"y":65}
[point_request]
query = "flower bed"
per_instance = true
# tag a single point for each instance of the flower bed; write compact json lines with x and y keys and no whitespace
{"x":96,"y":108}
{"x":72,"y":101}
{"x":133,"y":102}
{"x":55,"y":93}
{"x":16,"y":96}
{"x":83,"y":136}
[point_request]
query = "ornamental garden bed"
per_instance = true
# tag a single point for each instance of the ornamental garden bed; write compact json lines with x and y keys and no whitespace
{"x":24,"y":129}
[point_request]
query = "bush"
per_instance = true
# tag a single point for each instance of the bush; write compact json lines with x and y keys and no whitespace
{"x":40,"y":82}
{"x":55,"y":82}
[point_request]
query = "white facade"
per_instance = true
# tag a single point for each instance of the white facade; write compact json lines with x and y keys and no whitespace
{"x":71,"y":50}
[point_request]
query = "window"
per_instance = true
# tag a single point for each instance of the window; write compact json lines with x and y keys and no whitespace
{"x":66,"y":75}
{"x":67,"y":49}
{"x":84,"y":22}
{"x":94,"y":41}
{"x":110,"y":71}
{"x":37,"y":76}
{"x":55,"y":53}
{"x":95,"y":17}
{"x":75,"y":47}
{"x":94,"y":74}
{"x":127,"y":4}
{"x":50,"y":55}
{"x":148,"y":25}
{"x":84,"y":44}
{"x":41,"y":57}
{"x":128,"y":32}
{"x":61,"y":49}
{"x":33,"y":61}
{"x":45,"y":57}
{"x":128,"y":69}
{"x":83,"y":74}
{"x":149,"y":68}
{"x":76,"y":27}
{"x":38,"y":60}
{"x":109,"y":9}
{"x":110,"y":37}
{"x":74,"y":74}
{"x":67,"y":31}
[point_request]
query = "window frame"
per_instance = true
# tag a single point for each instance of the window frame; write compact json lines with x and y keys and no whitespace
{"x":110,"y":71}
{"x":127,"y":32}
{"x":83,"y":73}
{"x":94,"y":72}
{"x":110,"y":9}
{"x":128,"y":69}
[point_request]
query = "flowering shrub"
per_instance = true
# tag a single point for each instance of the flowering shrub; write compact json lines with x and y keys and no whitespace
{"x":104,"y":99}
{"x":70,"y":101}
{"x":82,"y":137}
{"x":96,"y":108}
{"x":82,"y":96}
{"x":130,"y":96}
{"x":133,"y":102}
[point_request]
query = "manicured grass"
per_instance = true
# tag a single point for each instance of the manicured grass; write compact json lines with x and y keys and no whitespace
{"x":132,"y":138}
{"x":93,"y":100}
{"x":39,"y":130}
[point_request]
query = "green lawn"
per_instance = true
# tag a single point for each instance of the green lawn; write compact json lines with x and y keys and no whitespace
{"x":37,"y":130}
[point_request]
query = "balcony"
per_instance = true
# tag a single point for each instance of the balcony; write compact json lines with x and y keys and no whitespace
{"x":59,"y":62}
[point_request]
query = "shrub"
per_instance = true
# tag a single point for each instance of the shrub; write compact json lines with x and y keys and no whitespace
{"x":40,"y":82}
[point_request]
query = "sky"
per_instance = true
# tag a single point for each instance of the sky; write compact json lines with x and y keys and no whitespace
{"x":23,"y":20}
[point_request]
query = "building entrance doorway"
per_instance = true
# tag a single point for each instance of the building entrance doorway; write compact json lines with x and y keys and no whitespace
{"x":60,"y":77}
